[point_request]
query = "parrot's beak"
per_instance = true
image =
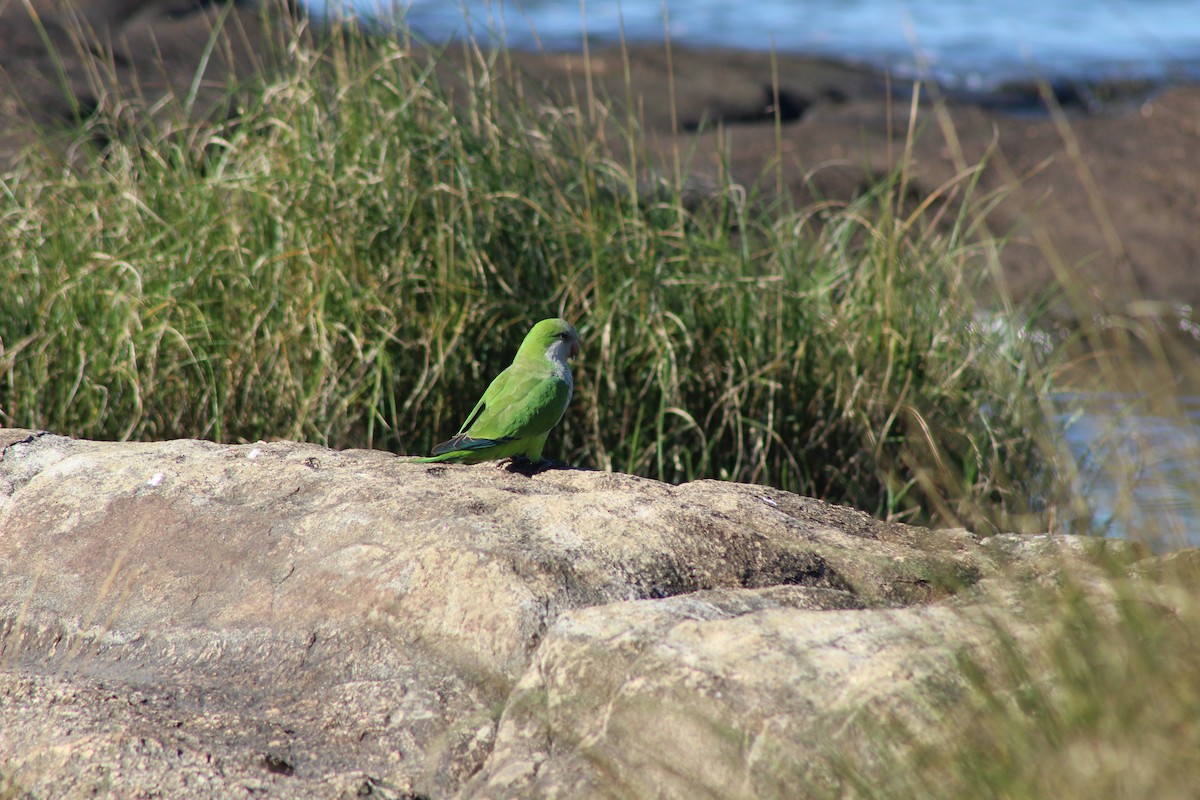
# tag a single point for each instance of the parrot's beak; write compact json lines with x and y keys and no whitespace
{"x":574,"y":349}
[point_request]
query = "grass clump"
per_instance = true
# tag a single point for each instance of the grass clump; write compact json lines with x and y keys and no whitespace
{"x":354,"y":254}
{"x":1100,"y":701}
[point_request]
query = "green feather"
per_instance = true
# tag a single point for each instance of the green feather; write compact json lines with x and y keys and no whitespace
{"x":522,"y":404}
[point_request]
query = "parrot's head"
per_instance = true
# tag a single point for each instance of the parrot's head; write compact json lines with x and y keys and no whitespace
{"x":553,"y":338}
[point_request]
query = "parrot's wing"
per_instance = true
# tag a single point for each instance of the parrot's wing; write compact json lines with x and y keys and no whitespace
{"x":518,"y":404}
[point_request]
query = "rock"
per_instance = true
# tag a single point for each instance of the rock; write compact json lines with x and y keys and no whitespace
{"x":201,"y":620}
{"x":116,"y":53}
{"x":737,"y":694}
{"x":1095,"y":198}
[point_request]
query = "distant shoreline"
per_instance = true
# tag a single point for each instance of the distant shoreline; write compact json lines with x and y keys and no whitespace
{"x":1019,"y":91}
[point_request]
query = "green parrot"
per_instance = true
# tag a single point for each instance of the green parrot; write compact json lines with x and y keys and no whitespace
{"x":522,"y":404}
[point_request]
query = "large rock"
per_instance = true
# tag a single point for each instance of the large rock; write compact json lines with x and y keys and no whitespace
{"x":716,"y":694}
{"x":186,"y":619}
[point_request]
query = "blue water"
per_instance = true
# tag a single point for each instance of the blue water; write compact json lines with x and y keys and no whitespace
{"x":1139,"y":471}
{"x":961,"y":42}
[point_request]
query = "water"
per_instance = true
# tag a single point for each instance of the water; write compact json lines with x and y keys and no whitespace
{"x":1140,"y":471}
{"x":961,"y":42}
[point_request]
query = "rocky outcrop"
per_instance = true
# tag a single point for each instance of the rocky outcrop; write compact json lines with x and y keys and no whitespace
{"x":186,"y":619}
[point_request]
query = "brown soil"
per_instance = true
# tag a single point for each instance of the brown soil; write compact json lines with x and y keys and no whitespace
{"x":1108,"y":193}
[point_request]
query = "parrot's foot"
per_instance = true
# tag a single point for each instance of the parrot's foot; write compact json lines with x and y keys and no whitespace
{"x":530,"y":468}
{"x":508,"y":462}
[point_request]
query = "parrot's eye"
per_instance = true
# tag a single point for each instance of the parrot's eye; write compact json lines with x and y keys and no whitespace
{"x":564,"y":336}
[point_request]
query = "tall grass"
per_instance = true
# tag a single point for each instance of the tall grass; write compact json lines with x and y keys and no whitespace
{"x":359,"y":248}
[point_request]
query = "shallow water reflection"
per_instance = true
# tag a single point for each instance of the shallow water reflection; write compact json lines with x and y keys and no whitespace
{"x":1140,"y":469}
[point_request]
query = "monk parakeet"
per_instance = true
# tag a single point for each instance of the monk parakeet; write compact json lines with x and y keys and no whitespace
{"x":522,"y":404}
